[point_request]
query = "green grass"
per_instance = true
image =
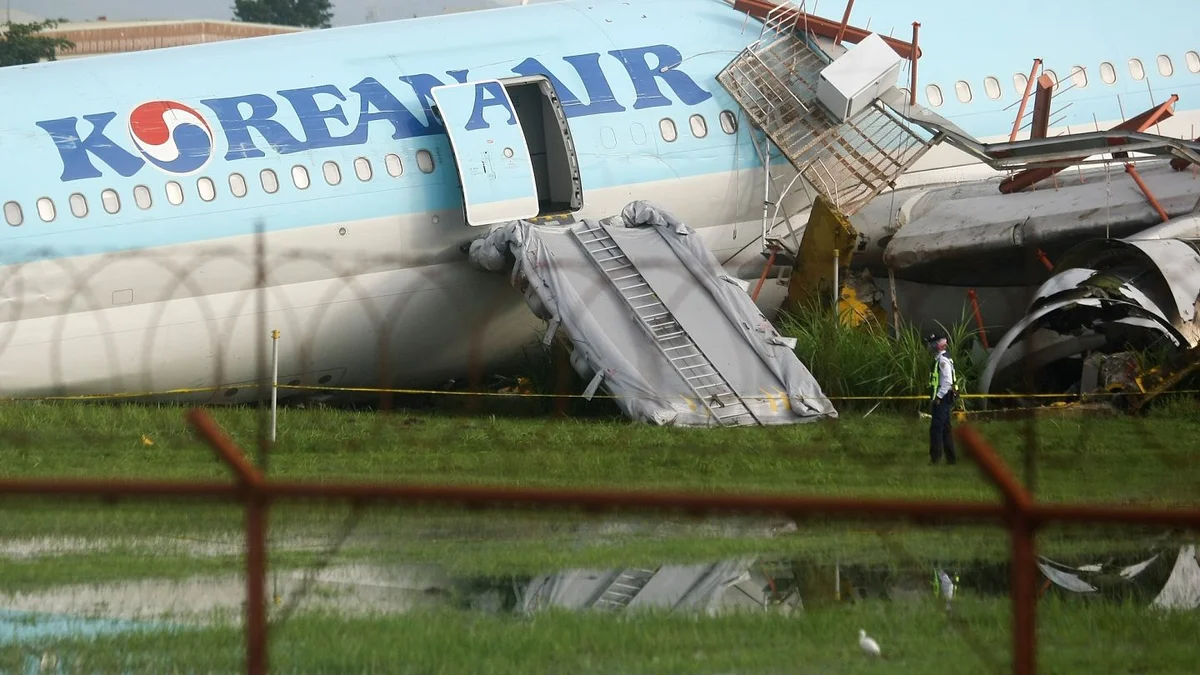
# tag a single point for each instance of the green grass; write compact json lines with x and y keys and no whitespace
{"x":917,"y":637}
{"x":870,"y":362}
{"x":1119,"y":460}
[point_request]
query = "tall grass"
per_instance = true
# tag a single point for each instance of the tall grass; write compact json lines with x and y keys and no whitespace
{"x":867,"y":363}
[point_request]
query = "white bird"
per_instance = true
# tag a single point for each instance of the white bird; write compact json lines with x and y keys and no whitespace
{"x":868,"y":645}
{"x":947,"y":587}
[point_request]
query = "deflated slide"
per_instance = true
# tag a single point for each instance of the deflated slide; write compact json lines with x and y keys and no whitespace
{"x":654,"y":319}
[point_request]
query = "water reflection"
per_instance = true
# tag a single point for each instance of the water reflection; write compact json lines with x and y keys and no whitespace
{"x":1165,"y":577}
{"x":1169,"y":577}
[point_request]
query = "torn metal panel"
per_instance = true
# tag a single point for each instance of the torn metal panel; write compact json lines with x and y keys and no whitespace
{"x":953,"y":232}
{"x":1182,"y":590}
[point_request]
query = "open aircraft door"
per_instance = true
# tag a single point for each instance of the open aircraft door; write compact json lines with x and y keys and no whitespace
{"x":489,"y":148}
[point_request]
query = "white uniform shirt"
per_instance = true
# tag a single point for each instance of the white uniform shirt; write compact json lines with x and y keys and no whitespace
{"x":945,"y":374}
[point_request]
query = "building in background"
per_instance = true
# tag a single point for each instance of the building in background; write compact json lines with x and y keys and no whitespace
{"x":113,"y":37}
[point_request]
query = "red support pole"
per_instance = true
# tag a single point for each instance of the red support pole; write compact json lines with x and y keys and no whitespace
{"x":1024,"y":101}
{"x":766,"y":270}
{"x":845,"y":22}
{"x":1146,"y":191}
{"x":1045,"y":261}
{"x":978,"y":317}
{"x":256,"y":585}
{"x":1144,"y":121}
{"x":912,"y":89}
{"x":1024,"y":592}
{"x":1041,"y":107}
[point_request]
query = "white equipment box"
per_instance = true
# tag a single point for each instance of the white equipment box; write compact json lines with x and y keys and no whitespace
{"x":858,"y":77}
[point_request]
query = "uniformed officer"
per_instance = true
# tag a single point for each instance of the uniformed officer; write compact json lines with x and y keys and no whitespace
{"x":944,"y":394}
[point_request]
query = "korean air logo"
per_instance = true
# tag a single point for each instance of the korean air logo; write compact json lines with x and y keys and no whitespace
{"x":171,"y":136}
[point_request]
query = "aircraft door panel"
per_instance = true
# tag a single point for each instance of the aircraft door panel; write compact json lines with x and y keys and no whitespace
{"x":493,"y":158}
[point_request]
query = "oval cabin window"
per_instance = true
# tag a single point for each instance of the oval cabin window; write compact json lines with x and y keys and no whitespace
{"x":207,"y":189}
{"x":300,"y":177}
{"x":237,"y":185}
{"x":45,"y":209}
{"x":12,"y":214}
{"x":991,"y":87}
{"x":1165,"y":67}
{"x":425,"y":161}
{"x":666,"y":127}
{"x":1193,"y":61}
{"x":395,"y":167}
{"x":963,"y":91}
{"x":1108,"y":74}
{"x":728,"y":122}
{"x":362,"y":169}
{"x":174,"y":193}
{"x":270,"y":182}
{"x":1136,"y":71}
{"x":111,"y":201}
{"x":79,"y":207}
{"x":698,"y":125}
{"x":141,"y":197}
{"x":1078,"y":77}
{"x":934,"y":94}
{"x":332,"y":173}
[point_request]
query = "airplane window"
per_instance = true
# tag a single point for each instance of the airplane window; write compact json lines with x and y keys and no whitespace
{"x":362,"y":169}
{"x":111,"y":201}
{"x":174,"y":193}
{"x":1164,"y":66}
{"x":333,"y":173}
{"x":395,"y":167}
{"x":300,"y":177}
{"x":666,"y":126}
{"x":1019,"y":82}
{"x":12,"y":214}
{"x":237,"y":185}
{"x":1078,"y":77}
{"x":207,"y":189}
{"x":991,"y":87}
{"x":1053,"y":76}
{"x":698,"y":125}
{"x":1135,"y":69}
{"x":963,"y":91}
{"x":141,"y":197}
{"x":1108,"y":74}
{"x":78,"y":205}
{"x":934,"y":94}
{"x":728,"y":122}
{"x":1193,"y":61}
{"x":425,"y":161}
{"x":270,"y":182}
{"x":45,"y":209}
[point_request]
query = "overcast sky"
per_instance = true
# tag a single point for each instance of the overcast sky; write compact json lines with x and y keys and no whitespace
{"x":345,"y":12}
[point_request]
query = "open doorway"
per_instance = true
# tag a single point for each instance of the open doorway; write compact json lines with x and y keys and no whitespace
{"x":551,"y":149}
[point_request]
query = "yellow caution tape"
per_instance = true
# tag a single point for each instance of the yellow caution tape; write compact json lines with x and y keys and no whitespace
{"x":781,"y":397}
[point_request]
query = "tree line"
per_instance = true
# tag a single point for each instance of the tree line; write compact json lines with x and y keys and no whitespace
{"x":24,"y":43}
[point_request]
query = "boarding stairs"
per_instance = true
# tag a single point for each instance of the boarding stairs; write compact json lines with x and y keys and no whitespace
{"x":624,"y":588}
{"x":774,"y":81}
{"x":702,"y":377}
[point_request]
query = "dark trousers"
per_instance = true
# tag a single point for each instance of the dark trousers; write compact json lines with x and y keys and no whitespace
{"x":939,"y":431}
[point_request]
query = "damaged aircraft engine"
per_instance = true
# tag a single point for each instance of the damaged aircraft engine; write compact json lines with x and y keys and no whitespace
{"x":1106,"y":296}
